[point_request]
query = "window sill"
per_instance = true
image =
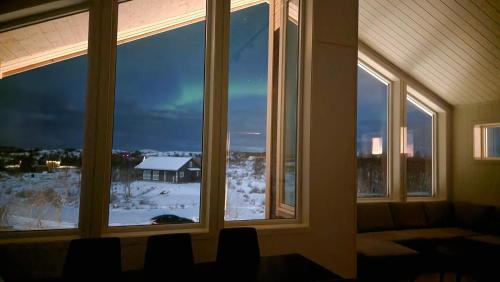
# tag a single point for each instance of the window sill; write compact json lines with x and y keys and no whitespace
{"x":272,"y":226}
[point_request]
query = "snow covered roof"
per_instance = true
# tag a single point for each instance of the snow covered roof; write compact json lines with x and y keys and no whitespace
{"x":163,"y":163}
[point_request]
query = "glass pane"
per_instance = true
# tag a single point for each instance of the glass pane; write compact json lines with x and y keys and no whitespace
{"x":247,"y":112}
{"x":158,"y":118}
{"x":493,"y":142}
{"x":42,"y":106}
{"x":419,"y":151}
{"x":371,"y":139}
{"x":290,"y":105}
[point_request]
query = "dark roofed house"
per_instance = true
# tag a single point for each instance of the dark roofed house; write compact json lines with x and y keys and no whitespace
{"x":169,"y":169}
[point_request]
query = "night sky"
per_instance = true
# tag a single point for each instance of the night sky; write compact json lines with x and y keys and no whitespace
{"x":372,"y":118}
{"x":159,"y":94}
{"x":372,"y":112}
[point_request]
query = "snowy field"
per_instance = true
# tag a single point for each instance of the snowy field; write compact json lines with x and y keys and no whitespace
{"x":50,"y":200}
{"x":245,"y":191}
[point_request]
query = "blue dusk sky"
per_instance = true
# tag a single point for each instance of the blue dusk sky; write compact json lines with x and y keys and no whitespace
{"x":372,"y":118}
{"x":159,"y":94}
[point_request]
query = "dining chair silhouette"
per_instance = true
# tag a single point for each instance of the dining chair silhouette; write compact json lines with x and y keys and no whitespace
{"x":93,"y":259}
{"x":169,"y":256}
{"x":238,"y":245}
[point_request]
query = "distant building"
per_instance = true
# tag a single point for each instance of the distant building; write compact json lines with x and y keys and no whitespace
{"x":169,"y":169}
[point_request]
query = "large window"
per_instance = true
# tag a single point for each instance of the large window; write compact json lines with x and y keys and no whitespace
{"x":419,"y":149}
{"x":287,"y":188}
{"x":401,"y":137}
{"x":247,"y":113}
{"x":124,"y":149}
{"x":372,"y":134}
{"x":262,"y":146}
{"x":42,"y":108}
{"x":158,"y":116}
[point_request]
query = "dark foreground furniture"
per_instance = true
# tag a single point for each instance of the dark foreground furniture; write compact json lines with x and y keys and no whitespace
{"x":93,"y":259}
{"x":238,"y":246}
{"x":291,"y":268}
{"x":171,"y":255}
{"x":402,"y":240}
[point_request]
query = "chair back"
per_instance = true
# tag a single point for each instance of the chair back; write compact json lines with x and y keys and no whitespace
{"x":93,"y":259}
{"x":238,"y":246}
{"x":170,"y":255}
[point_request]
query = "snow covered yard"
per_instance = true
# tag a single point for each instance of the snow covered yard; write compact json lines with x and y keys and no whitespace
{"x":39,"y":200}
{"x":246,"y":189}
{"x":51,"y":200}
{"x":149,"y":199}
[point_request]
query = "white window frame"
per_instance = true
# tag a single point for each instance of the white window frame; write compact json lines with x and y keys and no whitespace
{"x":274,"y":141}
{"x":434,"y":129}
{"x":378,"y":74}
{"x":156,"y":175}
{"x":96,"y":166}
{"x":480,"y":141}
{"x":403,"y":85}
{"x":146,"y":174}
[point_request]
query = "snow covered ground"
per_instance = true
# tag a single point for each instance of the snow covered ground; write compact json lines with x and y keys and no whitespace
{"x":39,"y":200}
{"x":245,"y":190}
{"x":50,"y":200}
{"x":149,"y":199}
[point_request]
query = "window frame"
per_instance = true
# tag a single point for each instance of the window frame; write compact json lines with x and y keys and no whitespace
{"x":98,"y":135}
{"x":282,"y":208}
{"x":66,"y":233}
{"x":411,"y":99}
{"x":377,"y":73}
{"x":146,"y":174}
{"x":480,"y":141}
{"x":274,"y":130}
{"x":404,"y":85}
{"x":156,"y":175}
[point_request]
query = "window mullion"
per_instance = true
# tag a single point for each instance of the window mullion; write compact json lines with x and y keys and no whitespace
{"x":96,"y":163}
{"x":216,"y":77}
{"x":400,"y":193}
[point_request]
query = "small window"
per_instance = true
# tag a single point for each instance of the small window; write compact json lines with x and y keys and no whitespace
{"x":181,"y":174}
{"x":146,"y":174}
{"x":156,"y":175}
{"x":487,"y":141}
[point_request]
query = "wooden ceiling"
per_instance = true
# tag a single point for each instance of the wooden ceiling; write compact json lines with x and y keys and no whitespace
{"x":450,"y":46}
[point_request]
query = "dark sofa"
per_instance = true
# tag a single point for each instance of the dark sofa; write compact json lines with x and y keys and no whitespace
{"x":402,"y":240}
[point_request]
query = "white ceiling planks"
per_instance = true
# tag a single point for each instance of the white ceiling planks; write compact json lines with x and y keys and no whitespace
{"x":450,"y":46}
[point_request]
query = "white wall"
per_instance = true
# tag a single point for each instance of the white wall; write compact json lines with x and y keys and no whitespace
{"x":474,"y":181}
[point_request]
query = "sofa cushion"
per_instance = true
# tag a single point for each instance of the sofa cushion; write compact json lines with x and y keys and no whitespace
{"x":489,"y":239}
{"x":411,"y":234}
{"x":374,"y":217}
{"x":382,"y":248}
{"x":473,"y":216}
{"x":493,"y":224}
{"x":438,"y":214}
{"x":408,"y":215}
